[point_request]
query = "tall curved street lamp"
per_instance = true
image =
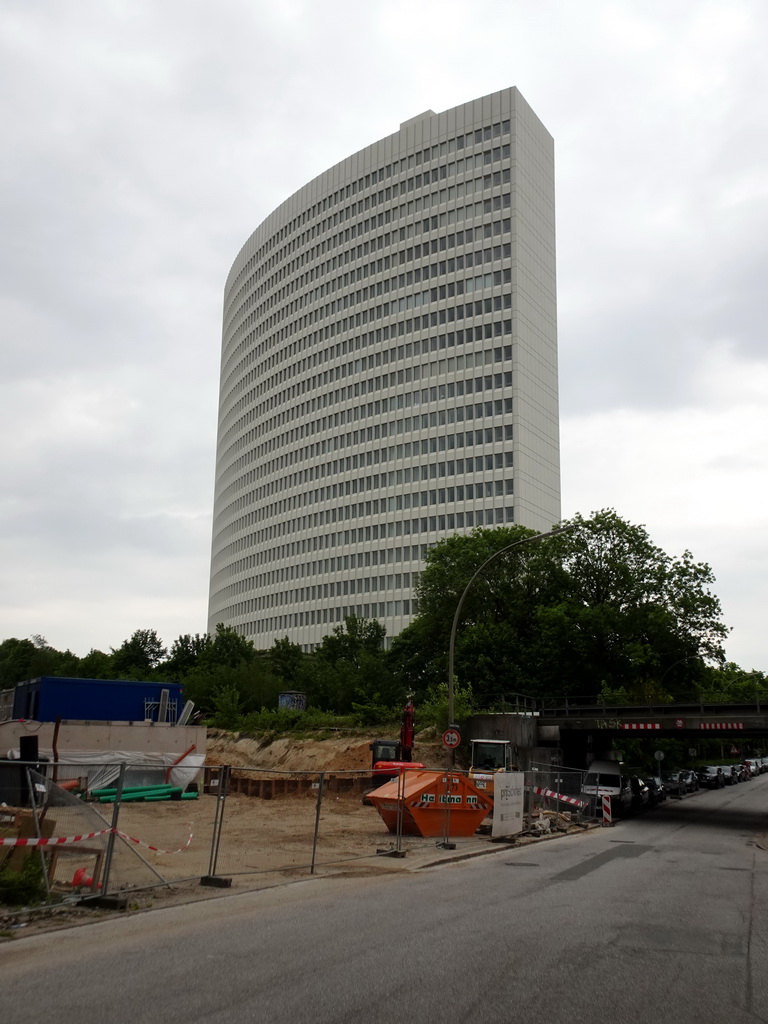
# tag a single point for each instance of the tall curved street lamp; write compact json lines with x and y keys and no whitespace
{"x":481,"y":569}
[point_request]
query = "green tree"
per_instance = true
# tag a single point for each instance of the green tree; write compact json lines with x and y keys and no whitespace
{"x":497,"y":615}
{"x":731,"y":683}
{"x":350,"y":670}
{"x":33,"y":657}
{"x":228,"y":661}
{"x":288,"y":663}
{"x":351,"y":641}
{"x":228,"y":707}
{"x":139,"y":655}
{"x":186,"y":652}
{"x":228,"y":648}
{"x":596,"y":605}
{"x":95,"y":665}
{"x":634,"y":616}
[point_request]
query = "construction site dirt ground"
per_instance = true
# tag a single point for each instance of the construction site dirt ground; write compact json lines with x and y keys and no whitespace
{"x":263,"y":843}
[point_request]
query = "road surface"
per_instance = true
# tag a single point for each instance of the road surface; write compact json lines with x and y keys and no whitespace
{"x":660,"y":918}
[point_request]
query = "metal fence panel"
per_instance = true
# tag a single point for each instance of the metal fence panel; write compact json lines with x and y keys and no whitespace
{"x":102,"y":848}
{"x":75,"y":842}
{"x":558,"y":789}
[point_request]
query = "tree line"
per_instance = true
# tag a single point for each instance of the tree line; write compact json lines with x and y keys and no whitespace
{"x":595,"y":611}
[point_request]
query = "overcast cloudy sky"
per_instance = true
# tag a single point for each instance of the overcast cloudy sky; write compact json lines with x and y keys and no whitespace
{"x":143,"y":140}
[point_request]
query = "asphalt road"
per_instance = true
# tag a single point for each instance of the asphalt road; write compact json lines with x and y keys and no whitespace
{"x":662,"y":918}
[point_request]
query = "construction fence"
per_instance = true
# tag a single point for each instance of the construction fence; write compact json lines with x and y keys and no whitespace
{"x":237,"y":826}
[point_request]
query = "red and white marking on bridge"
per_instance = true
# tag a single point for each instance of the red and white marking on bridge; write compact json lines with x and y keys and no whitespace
{"x":721,"y":725}
{"x":640,"y":725}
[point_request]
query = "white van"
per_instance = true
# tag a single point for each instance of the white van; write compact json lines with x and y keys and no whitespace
{"x":605,"y":778}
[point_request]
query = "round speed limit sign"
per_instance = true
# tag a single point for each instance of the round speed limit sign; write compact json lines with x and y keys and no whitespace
{"x":451,"y":738}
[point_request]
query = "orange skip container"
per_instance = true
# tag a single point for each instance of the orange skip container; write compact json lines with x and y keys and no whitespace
{"x":425,"y":795}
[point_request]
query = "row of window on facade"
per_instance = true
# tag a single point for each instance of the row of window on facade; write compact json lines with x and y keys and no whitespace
{"x":236,"y":346}
{"x":271,"y":293}
{"x":376,"y":177}
{"x":256,"y":326}
{"x":233,"y":420}
{"x":238,"y":302}
{"x":394,"y":428}
{"x":427,"y":446}
{"x":322,"y":616}
{"x":262,"y":538}
{"x":490,"y":517}
{"x":360,"y":460}
{"x":371,"y":506}
{"x":309,"y":296}
{"x":412,"y":399}
{"x":406,"y":352}
{"x":375,"y":244}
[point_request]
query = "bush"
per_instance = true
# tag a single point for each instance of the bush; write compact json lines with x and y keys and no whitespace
{"x":25,"y":887}
{"x":434,"y":709}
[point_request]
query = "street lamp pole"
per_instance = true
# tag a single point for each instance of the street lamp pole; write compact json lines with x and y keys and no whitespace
{"x":481,"y":569}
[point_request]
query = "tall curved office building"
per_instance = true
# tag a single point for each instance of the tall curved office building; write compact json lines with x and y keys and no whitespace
{"x":388,"y":373}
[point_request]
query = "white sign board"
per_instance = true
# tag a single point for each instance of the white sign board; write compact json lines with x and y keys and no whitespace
{"x":508,"y":793}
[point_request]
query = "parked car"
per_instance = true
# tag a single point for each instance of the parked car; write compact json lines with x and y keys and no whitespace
{"x":641,"y":794}
{"x":730,"y":774}
{"x":691,"y":780}
{"x":711,"y":777}
{"x":675,"y":783}
{"x":605,"y":778}
{"x":658,"y":793}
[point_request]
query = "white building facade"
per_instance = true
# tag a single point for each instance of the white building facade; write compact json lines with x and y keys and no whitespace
{"x":388,"y":374}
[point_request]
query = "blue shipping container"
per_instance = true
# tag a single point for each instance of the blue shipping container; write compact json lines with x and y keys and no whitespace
{"x":96,"y":700}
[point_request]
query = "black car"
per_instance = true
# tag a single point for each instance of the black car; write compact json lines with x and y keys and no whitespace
{"x":730,"y":774}
{"x":711,"y":777}
{"x":674,"y":782}
{"x":641,"y":794}
{"x":656,"y":790}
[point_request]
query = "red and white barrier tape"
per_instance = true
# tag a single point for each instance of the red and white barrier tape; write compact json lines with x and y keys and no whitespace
{"x":62,"y":840}
{"x":131,"y":839}
{"x":51,"y":841}
{"x":559,"y":796}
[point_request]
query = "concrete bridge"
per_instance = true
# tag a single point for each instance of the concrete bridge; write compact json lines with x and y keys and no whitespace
{"x":665,"y":720}
{"x":578,"y":726}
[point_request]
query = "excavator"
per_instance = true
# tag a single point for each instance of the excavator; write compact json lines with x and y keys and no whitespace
{"x":388,"y":757}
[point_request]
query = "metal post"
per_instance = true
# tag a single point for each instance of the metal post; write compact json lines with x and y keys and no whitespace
{"x":113,"y":831}
{"x":212,"y":879}
{"x":218,"y":820}
{"x":36,"y":819}
{"x":457,"y":613}
{"x":321,"y":784}
{"x":446,"y":844}
{"x":400,"y":810}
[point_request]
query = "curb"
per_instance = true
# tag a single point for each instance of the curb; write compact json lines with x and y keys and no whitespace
{"x":502,"y":847}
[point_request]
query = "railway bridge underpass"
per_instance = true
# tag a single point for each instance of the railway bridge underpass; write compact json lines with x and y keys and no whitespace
{"x":575,"y":731}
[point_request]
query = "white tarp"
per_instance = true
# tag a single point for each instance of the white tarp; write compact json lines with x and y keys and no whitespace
{"x":102,"y":768}
{"x":508,"y":796}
